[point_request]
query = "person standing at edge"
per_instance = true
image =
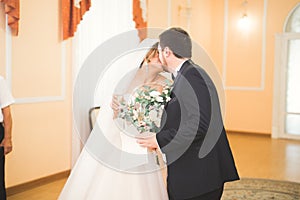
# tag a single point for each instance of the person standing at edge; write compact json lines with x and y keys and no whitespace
{"x":192,"y":125}
{"x":6,"y":100}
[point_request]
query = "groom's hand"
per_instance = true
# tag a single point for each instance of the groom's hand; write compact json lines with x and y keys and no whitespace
{"x":149,"y":142}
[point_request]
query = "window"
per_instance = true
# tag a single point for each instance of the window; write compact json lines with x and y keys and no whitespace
{"x":292,"y":110}
{"x":286,"y":101}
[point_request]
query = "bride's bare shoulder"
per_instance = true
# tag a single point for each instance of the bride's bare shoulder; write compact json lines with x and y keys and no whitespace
{"x":162,"y":80}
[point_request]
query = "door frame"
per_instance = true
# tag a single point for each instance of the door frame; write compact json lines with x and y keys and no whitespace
{"x":280,"y":77}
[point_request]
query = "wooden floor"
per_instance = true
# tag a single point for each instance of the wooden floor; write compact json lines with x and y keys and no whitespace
{"x":255,"y":155}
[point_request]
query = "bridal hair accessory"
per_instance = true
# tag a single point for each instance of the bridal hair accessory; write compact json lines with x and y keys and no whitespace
{"x":143,"y":48}
{"x":147,"y":43}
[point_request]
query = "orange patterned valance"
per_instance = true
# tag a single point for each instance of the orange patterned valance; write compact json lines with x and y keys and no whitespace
{"x":12,"y":9}
{"x":72,"y":14}
{"x":140,"y":22}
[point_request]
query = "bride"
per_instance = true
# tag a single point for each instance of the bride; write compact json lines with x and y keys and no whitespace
{"x":112,"y":165}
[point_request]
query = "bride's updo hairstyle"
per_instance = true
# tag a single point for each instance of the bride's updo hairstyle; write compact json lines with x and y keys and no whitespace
{"x":152,"y":52}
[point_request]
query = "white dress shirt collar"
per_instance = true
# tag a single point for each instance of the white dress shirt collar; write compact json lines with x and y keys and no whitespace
{"x":178,"y":68}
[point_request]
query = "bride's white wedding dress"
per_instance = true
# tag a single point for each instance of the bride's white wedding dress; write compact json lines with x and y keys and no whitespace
{"x":106,"y":170}
{"x":98,"y":172}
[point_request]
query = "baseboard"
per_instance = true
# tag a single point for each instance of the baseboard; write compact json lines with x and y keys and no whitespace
{"x":35,"y":183}
{"x":249,"y":133}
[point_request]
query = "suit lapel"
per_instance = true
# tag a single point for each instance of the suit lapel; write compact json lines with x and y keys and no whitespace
{"x":181,"y":72}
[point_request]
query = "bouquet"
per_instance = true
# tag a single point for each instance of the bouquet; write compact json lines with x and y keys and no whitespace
{"x":145,"y":106}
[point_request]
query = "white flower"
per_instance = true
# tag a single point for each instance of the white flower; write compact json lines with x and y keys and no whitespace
{"x":159,"y":99}
{"x":154,"y":93}
{"x":153,"y":115}
{"x":165,"y":91}
{"x":135,"y":114}
{"x":145,"y":108}
{"x":142,"y":123}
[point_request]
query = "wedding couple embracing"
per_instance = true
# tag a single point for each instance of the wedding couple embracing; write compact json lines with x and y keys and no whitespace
{"x":189,"y":135}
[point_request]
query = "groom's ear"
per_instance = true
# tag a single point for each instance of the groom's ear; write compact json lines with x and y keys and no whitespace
{"x":167,"y":51}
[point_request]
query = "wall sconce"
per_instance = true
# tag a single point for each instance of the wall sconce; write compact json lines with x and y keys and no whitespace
{"x":244,"y":21}
{"x":186,"y":11}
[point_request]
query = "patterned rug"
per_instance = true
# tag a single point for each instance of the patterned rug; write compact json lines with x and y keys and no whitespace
{"x":261,"y":189}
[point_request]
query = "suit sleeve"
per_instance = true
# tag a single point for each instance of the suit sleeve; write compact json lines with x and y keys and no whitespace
{"x":193,"y":98}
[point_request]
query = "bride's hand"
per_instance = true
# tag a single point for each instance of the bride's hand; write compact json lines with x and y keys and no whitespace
{"x":115,"y":106}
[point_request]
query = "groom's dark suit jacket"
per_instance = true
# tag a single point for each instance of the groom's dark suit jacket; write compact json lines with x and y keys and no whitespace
{"x":192,"y":120}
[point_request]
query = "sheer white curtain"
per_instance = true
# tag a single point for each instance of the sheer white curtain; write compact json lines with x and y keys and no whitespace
{"x":104,"y":20}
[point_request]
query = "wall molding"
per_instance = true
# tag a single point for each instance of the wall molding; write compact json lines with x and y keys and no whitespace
{"x":288,"y":17}
{"x":225,"y":46}
{"x":169,"y":13}
{"x":8,"y":69}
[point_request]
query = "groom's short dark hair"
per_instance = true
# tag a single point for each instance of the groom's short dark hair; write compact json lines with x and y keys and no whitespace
{"x":178,"y":40}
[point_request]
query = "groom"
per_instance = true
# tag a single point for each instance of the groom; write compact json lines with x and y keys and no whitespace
{"x":193,"y":137}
